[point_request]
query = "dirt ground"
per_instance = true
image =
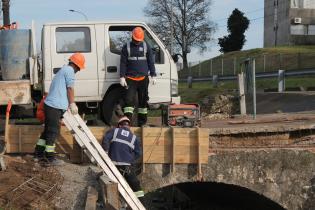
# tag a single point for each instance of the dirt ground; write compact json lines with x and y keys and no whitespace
{"x":72,"y":181}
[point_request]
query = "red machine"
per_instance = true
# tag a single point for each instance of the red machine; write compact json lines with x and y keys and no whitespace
{"x":182,"y":115}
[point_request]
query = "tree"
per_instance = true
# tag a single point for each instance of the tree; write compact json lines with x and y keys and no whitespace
{"x":6,"y":12}
{"x":237,"y":25}
{"x":184,"y":24}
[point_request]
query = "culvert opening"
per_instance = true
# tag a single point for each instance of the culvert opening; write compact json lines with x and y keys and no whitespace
{"x":208,"y":196}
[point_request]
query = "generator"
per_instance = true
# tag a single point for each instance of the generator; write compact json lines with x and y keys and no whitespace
{"x":181,"y":115}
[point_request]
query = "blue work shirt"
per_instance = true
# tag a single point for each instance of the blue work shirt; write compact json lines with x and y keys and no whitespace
{"x":57,"y":95}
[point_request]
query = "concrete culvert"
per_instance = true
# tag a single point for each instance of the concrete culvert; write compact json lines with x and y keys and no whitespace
{"x":208,"y":196}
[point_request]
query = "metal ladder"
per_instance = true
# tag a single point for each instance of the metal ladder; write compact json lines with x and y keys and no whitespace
{"x":96,"y":154}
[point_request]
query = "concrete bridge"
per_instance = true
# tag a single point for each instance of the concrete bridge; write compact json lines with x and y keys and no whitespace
{"x":248,"y":168}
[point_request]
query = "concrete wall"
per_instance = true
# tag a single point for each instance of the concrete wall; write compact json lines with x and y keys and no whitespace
{"x":280,"y":35}
{"x":286,"y":177}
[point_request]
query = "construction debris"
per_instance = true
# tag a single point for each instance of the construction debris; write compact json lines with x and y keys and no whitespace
{"x":28,"y":186}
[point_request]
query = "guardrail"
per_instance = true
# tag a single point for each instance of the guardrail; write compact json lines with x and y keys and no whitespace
{"x":272,"y":74}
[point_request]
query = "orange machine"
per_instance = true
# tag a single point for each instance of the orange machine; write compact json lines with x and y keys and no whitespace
{"x":182,"y":115}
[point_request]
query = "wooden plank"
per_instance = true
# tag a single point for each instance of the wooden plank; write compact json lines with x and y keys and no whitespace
{"x":173,"y":160}
{"x":91,"y":198}
{"x":109,"y":193}
{"x":199,"y":154}
{"x":142,"y":137}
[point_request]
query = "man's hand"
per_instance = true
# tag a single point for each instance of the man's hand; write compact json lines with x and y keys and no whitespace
{"x":74,"y":108}
{"x":123,"y":82}
{"x":153,"y":80}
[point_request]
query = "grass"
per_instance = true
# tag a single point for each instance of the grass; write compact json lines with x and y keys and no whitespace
{"x":200,"y":90}
{"x":267,"y":59}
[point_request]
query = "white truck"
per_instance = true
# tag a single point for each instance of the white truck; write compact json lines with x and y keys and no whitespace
{"x":97,"y":87}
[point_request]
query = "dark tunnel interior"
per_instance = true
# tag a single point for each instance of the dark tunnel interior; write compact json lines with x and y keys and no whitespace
{"x":208,"y":196}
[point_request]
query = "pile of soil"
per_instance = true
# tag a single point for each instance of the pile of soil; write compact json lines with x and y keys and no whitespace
{"x":219,"y":107}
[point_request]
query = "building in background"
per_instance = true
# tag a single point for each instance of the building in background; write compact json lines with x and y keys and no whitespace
{"x":289,"y":22}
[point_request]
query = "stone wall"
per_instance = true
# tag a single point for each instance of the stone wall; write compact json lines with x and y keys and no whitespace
{"x":284,"y":176}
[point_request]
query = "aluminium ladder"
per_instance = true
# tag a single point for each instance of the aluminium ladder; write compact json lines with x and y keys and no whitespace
{"x":95,"y":152}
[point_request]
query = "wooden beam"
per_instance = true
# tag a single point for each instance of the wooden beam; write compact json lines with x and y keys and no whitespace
{"x":199,"y":153}
{"x":142,"y":139}
{"x":173,"y":152}
{"x":91,"y":198}
{"x":109,"y":193}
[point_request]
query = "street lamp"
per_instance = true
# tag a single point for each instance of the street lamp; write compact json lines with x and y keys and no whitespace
{"x":72,"y":10}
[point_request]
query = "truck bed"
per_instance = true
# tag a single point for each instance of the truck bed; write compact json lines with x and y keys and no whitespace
{"x":18,"y":91}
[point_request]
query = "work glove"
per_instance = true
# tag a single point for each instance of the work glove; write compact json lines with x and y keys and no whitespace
{"x":153,"y":80}
{"x":74,"y":108}
{"x":123,"y":82}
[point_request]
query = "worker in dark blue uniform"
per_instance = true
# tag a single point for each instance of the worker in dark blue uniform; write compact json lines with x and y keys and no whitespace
{"x":123,"y":148}
{"x":136,"y":64}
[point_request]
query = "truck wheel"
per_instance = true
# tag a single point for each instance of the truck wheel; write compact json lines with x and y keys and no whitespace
{"x":111,"y":107}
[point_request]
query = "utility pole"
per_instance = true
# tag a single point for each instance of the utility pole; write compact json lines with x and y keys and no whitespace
{"x":6,"y":12}
{"x":172,"y":26}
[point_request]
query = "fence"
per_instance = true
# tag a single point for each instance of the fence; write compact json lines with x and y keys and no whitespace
{"x":224,"y":66}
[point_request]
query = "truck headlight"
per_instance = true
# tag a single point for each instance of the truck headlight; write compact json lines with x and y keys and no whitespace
{"x":174,"y":87}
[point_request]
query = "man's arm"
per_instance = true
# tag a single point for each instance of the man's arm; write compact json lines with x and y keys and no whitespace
{"x":70,"y":93}
{"x":107,"y":139}
{"x":123,"y":61}
{"x":137,"y":151}
{"x":150,"y":60}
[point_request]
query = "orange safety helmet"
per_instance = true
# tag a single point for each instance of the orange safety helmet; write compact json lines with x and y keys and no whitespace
{"x":78,"y":59}
{"x":138,"y":34}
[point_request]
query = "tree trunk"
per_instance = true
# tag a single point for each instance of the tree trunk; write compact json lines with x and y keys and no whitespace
{"x":185,"y":62}
{"x":6,"y":12}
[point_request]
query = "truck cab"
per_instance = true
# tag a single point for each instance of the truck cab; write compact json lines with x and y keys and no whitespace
{"x":97,"y":86}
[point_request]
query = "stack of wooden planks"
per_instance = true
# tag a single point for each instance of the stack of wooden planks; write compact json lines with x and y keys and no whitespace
{"x":160,"y":144}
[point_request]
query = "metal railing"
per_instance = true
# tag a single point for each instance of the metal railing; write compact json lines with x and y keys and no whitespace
{"x":227,"y":66}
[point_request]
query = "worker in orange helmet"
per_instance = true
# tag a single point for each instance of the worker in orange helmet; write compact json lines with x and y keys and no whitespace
{"x":59,"y":99}
{"x":136,"y":64}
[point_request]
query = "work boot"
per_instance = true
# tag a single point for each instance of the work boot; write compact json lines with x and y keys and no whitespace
{"x":55,"y":162}
{"x":39,"y":153}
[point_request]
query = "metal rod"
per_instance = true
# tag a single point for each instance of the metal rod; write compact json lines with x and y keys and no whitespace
{"x":254,"y":88}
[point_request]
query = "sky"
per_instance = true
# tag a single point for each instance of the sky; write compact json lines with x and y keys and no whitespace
{"x":43,"y":11}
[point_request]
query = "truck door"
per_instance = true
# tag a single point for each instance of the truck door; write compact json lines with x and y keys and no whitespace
{"x":67,"y":40}
{"x":118,"y":35}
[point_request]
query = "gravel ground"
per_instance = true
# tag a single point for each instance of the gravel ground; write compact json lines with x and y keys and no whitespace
{"x":77,"y":178}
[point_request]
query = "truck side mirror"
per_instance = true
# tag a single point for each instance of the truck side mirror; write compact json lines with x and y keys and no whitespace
{"x":175,"y":58}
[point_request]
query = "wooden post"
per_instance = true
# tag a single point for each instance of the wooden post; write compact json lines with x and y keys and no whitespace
{"x":215,"y":79}
{"x":211,"y":70}
{"x":110,"y":194}
{"x":234,"y":66}
{"x":242,"y":93}
{"x":91,"y":198}
{"x":189,"y":81}
{"x":281,"y":81}
{"x":199,"y":153}
{"x":222,"y":66}
{"x":173,"y":152}
{"x":142,"y":139}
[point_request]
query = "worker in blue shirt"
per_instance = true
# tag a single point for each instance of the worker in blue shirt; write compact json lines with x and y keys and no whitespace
{"x":60,"y":98}
{"x":123,"y":148}
{"x":136,"y":64}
